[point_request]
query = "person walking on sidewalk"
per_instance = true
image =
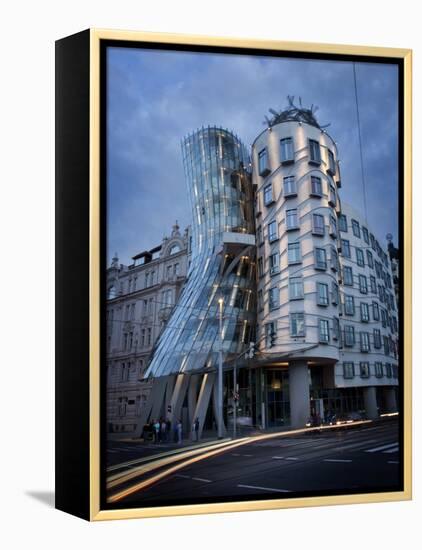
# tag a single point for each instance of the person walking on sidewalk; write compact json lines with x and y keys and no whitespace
{"x":195,"y":430}
{"x":179,"y":431}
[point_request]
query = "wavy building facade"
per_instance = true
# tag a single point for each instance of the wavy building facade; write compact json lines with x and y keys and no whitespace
{"x":220,"y":283}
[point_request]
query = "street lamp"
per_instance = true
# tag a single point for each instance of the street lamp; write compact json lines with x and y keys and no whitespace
{"x":220,"y":371}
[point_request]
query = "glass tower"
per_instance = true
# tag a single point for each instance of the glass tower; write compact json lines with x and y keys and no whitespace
{"x":217,"y":170}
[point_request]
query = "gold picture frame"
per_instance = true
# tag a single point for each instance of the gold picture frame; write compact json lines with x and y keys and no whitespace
{"x":91,"y":509}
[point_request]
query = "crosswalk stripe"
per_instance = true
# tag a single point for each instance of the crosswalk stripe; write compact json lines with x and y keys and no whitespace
{"x":394,"y":450}
{"x":381,"y":448}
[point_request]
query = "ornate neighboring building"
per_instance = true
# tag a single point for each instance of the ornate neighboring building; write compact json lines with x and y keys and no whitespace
{"x":140,"y":299}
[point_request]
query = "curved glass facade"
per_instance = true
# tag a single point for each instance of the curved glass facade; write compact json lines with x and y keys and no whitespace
{"x":220,"y":191}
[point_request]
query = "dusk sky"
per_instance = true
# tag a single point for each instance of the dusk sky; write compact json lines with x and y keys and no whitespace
{"x":155,"y":98}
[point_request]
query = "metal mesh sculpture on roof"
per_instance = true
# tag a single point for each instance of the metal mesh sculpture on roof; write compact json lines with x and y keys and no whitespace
{"x":294,"y":113}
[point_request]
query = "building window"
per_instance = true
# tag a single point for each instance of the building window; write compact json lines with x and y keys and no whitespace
{"x":286,"y":150}
{"x":293,"y":253}
{"x":176,"y":269}
{"x":349,"y":305}
{"x":260,"y":300}
{"x":365,"y":235}
{"x":347,"y":275}
{"x":388,"y":370}
{"x":318,"y":227}
{"x":348,"y":369}
{"x":270,"y":335}
{"x":273,"y":298}
{"x":320,"y":259}
{"x":143,"y":332}
{"x":360,"y":259}
{"x":345,"y":248}
{"x":370,"y":259}
{"x":364,"y":369}
{"x":373,"y":283}
{"x":259,"y":235}
{"x":375,"y":311}
{"x":296,"y":288}
{"x":363,"y":285}
{"x":364,"y":312}
{"x":149,"y":337}
{"x":316,"y":186}
{"x":336,"y":328}
{"x":332,"y":199}
{"x":322,"y":294}
{"x":356,"y":228}
{"x":334,"y":293}
{"x":124,"y":373}
{"x":386,"y":345}
{"x":289,"y":186}
{"x":262,"y":163}
{"x":364,"y":341}
{"x":268,"y":194}
{"x":334,"y":258}
{"x":377,"y":338}
{"x":349,"y":336}
{"x":260,"y":267}
{"x":274,"y":263}
{"x":314,"y":152}
{"x":331,"y":163}
{"x":342,"y":223}
{"x":378,"y":369}
{"x":324,"y":334}
{"x":272,"y":231}
{"x":291,"y":219}
{"x":297,"y":324}
{"x":333,"y":227}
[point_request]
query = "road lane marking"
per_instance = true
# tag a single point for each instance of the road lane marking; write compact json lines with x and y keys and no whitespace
{"x":180,"y":475}
{"x":247,"y":455}
{"x":393,"y":462}
{"x":394,"y":450}
{"x":202,"y":479}
{"x":264,"y":488}
{"x":211,"y":453}
{"x":278,"y":457}
{"x":291,"y":458}
{"x":381,"y":448}
{"x":336,"y":460}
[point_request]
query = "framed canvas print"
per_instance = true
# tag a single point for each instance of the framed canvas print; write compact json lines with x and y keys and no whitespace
{"x":233,"y":274}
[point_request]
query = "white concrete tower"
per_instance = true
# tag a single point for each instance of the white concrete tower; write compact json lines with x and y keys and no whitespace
{"x":296,"y":172}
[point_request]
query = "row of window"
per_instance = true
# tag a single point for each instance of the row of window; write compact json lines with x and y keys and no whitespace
{"x":287,"y":156}
{"x":290,"y":190}
{"x":384,"y":296}
{"x":144,"y":341}
{"x":366,"y":370}
{"x":294,"y":256}
{"x":296,"y":293}
{"x":367,"y":237}
{"x":346,"y":337}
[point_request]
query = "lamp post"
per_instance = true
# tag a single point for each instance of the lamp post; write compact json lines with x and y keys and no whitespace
{"x":220,"y":372}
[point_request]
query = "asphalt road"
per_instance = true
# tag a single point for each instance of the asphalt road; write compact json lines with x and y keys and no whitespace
{"x":364,"y":459}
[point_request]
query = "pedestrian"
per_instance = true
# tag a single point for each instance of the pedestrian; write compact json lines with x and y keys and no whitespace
{"x":156,"y":427}
{"x":163,"y":431}
{"x":179,"y":431}
{"x":195,"y":429}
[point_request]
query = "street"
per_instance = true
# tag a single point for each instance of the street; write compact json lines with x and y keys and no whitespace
{"x":354,"y":459}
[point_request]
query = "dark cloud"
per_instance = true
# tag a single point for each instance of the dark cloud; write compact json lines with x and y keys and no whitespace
{"x":156,"y":97}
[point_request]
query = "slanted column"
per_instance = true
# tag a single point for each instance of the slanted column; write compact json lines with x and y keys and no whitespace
{"x":299,"y":393}
{"x":370,"y":401}
{"x":390,"y":399}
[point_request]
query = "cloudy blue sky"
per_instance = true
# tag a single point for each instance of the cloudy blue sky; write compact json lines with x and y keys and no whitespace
{"x":154,"y":98}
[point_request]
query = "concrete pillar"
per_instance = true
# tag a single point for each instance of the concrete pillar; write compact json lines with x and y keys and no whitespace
{"x":299,"y":393}
{"x":390,"y":399}
{"x":193,"y":396}
{"x":202,"y":403}
{"x":370,"y":401}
